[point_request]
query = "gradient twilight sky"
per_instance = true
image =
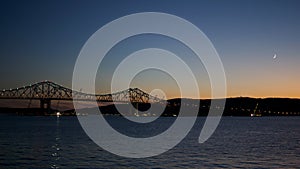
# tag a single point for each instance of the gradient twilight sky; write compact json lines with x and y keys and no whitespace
{"x":41,"y":40}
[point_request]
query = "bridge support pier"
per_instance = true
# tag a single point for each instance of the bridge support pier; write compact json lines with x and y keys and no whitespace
{"x":46,"y":102}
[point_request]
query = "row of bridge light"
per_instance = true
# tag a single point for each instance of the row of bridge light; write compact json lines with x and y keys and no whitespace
{"x":11,"y":89}
{"x":29,"y":86}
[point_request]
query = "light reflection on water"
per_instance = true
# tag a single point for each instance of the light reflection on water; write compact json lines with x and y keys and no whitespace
{"x":56,"y":147}
{"x":239,"y":142}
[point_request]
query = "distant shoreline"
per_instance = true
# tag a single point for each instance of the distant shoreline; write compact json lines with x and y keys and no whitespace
{"x":242,"y":106}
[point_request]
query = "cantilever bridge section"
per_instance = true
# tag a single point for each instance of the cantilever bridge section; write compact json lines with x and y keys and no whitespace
{"x":46,"y":91}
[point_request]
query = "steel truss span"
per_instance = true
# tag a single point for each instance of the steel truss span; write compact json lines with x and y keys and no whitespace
{"x":48,"y":90}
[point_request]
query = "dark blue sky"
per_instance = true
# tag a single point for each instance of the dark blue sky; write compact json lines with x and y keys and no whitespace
{"x":42,"y":39}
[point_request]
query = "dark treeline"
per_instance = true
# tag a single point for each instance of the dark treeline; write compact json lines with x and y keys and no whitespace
{"x":233,"y":107}
{"x":244,"y":106}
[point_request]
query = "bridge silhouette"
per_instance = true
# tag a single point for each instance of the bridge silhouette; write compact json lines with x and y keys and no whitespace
{"x":46,"y":91}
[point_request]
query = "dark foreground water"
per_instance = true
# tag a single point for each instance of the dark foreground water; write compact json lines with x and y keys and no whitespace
{"x":239,"y":142}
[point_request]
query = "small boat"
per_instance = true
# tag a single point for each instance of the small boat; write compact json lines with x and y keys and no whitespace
{"x":256,"y":113}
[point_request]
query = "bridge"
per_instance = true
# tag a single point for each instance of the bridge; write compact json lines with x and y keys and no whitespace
{"x":46,"y":91}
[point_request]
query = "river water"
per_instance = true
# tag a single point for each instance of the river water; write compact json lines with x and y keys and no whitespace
{"x":238,"y":142}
